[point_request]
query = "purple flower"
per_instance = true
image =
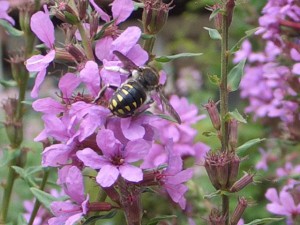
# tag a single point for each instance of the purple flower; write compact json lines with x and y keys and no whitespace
{"x":173,"y":177}
{"x":4,"y":6}
{"x":42,"y":26}
{"x":282,"y":204}
{"x":71,"y":211}
{"x":116,"y":159}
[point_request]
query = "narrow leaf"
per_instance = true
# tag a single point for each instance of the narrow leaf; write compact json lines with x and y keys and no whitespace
{"x":214,"y":79}
{"x":147,"y":36}
{"x":138,"y":5}
{"x":10,"y":29}
{"x":214,"y":14}
{"x":212,"y":195}
{"x":213,"y":33}
{"x":21,"y":220}
{"x":93,"y":219}
{"x":238,"y":44}
{"x":102,"y":31}
{"x":8,"y":83}
{"x":236,"y":115}
{"x":6,"y":157}
{"x":263,"y":221}
{"x":242,"y":150}
{"x":70,"y":18}
{"x":235,"y":76}
{"x":157,"y":219}
{"x":164,"y":59}
{"x":27,"y":102}
{"x":209,"y":134}
{"x":44,"y":198}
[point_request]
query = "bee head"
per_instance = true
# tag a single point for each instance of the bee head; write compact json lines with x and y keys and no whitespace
{"x":149,"y":77}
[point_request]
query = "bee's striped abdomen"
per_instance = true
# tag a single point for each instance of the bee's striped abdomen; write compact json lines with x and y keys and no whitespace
{"x":127,"y":99}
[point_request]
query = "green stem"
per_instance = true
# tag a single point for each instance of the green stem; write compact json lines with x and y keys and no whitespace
{"x":224,"y":102}
{"x":223,"y":85}
{"x":87,"y":45}
{"x":149,"y":44}
{"x":37,"y":204}
{"x":7,"y":191}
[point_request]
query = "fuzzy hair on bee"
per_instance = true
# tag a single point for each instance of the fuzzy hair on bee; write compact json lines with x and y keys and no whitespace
{"x":135,"y":92}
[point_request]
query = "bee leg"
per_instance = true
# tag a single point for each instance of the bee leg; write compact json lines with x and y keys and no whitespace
{"x":102,"y":91}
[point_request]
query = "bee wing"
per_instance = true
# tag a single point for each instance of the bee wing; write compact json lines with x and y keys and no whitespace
{"x":128,"y":63}
{"x":167,"y":106}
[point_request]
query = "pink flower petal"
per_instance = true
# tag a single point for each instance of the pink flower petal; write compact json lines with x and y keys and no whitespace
{"x":103,"y":15}
{"x":107,"y":142}
{"x":126,"y":40}
{"x":272,"y":195}
{"x":91,"y":77}
{"x":47,"y":105}
{"x":107,"y":175}
{"x":136,"y":150}
{"x":131,"y":173}
{"x":103,"y":48}
{"x":4,"y":5}
{"x":121,"y":10}
{"x":91,"y":159}
{"x":68,"y":83}
{"x":38,"y":81}
{"x":42,"y":26}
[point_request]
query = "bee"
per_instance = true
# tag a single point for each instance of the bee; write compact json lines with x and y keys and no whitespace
{"x":135,"y":92}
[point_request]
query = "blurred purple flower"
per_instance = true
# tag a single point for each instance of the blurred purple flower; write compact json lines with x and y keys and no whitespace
{"x":189,"y":80}
{"x":4,"y":6}
{"x":70,"y":212}
{"x":116,"y":159}
{"x":282,"y":204}
{"x":43,"y":28}
{"x":289,"y":170}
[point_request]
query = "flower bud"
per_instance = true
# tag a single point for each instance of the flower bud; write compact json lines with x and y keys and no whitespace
{"x":25,"y":13}
{"x":234,"y":169}
{"x":76,"y":52}
{"x":14,"y":129}
{"x":100,"y":206}
{"x":82,"y":7}
{"x":242,"y":182}
{"x":213,"y":113}
{"x":216,"y":218}
{"x":94,"y":24}
{"x":229,"y":10}
{"x":155,"y":15}
{"x":233,"y":133}
{"x":18,"y":69}
{"x":239,"y":210}
{"x":222,"y":169}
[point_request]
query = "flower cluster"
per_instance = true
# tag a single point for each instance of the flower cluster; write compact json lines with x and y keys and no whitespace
{"x":128,"y":154}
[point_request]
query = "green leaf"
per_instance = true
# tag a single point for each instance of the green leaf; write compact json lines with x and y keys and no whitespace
{"x":147,"y":36}
{"x":138,"y":5}
{"x":248,"y":33}
{"x":214,"y":14}
{"x":21,"y":220}
{"x":236,"y":115}
{"x":10,"y":29}
{"x":209,"y":134}
{"x":8,"y":83}
{"x":164,"y":59}
{"x":235,"y":76}
{"x":27,"y":102}
{"x":166,"y":117}
{"x":102,"y":31}
{"x":213,"y":33}
{"x":43,"y":197}
{"x":93,"y":219}
{"x":214,"y":79}
{"x":25,"y":175}
{"x":7,"y":156}
{"x":242,"y":149}
{"x":157,"y":219}
{"x":70,"y":18}
{"x":263,"y":221}
{"x":212,"y":195}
